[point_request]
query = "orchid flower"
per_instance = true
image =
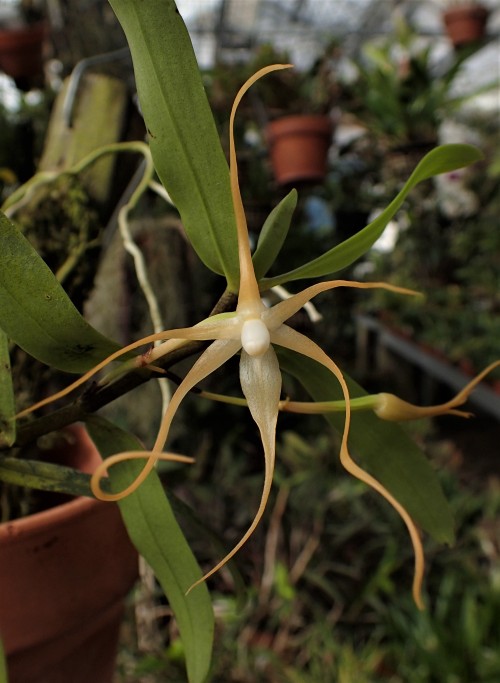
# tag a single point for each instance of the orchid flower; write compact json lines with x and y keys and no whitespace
{"x":251,"y":331}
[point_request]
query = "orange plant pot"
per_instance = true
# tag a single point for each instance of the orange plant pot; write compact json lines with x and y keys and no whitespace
{"x":21,"y":51}
{"x":465,"y":25}
{"x":298,"y":147}
{"x":64,"y":574}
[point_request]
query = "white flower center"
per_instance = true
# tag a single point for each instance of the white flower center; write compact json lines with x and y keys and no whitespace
{"x":255,"y":337}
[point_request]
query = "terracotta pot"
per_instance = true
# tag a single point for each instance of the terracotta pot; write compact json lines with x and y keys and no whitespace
{"x":21,"y":51}
{"x":64,"y":574}
{"x":298,"y":147}
{"x":465,"y":24}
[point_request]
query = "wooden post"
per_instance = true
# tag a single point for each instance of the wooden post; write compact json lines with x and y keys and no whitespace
{"x":97,"y":119}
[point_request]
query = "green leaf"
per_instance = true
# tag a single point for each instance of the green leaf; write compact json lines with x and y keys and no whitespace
{"x":157,"y":536}
{"x":44,"y":476}
{"x":184,"y":140}
{"x":440,"y":160}
{"x":36,"y":312}
{"x":386,"y":450}
{"x":7,"y":404}
{"x":273,"y":234}
{"x":3,"y":665}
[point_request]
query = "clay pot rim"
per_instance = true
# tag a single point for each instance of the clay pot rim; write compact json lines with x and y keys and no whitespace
{"x":64,"y":513}
{"x":465,"y":13}
{"x":314,"y":124}
{"x":466,"y":10}
{"x":15,"y":530}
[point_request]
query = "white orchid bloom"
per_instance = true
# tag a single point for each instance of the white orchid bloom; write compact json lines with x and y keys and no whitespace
{"x":251,"y":331}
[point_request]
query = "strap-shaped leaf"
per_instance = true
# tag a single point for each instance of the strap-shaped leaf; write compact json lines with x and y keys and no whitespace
{"x":3,"y":665}
{"x":386,"y":450}
{"x":7,"y":405}
{"x":44,"y":476}
{"x":184,"y":141}
{"x":36,"y":312}
{"x":273,"y":234}
{"x":439,"y":160}
{"x":157,"y":536}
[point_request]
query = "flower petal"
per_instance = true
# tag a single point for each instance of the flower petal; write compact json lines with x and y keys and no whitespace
{"x":227,"y":328}
{"x":211,"y":359}
{"x":223,"y":326}
{"x":293,"y":340}
{"x":261,"y":384}
{"x":249,"y":290}
{"x":275,"y":316}
{"x":100,"y":471}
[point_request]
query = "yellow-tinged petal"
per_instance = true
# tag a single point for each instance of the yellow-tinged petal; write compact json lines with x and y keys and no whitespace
{"x":211,"y":359}
{"x":275,"y":316}
{"x":206,"y":330}
{"x":293,"y":340}
{"x":249,"y":294}
{"x":101,"y":470}
{"x":215,"y":327}
{"x":391,"y":407}
{"x":261,"y":384}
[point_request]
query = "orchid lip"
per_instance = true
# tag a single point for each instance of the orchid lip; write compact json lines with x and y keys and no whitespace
{"x":255,"y":337}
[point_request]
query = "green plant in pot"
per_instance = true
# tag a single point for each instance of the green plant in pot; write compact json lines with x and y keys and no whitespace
{"x":402,"y":95}
{"x":53,"y":547}
{"x":37,"y":314}
{"x":465,"y":22}
{"x":300,"y":132}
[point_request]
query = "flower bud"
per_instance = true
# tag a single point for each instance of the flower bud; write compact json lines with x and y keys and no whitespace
{"x":390,"y":407}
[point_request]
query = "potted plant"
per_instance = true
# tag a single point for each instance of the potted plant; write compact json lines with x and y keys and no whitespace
{"x":66,"y":561}
{"x":402,"y":95}
{"x":38,"y":315}
{"x":22,"y":38}
{"x":65,"y":572}
{"x":299,"y":138}
{"x":298,"y":147}
{"x":465,"y":22}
